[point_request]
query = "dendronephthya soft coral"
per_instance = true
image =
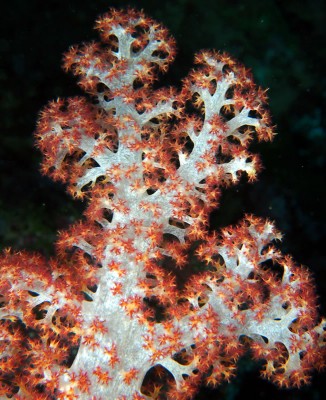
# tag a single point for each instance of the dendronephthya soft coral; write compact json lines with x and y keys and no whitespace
{"x":107,"y":318}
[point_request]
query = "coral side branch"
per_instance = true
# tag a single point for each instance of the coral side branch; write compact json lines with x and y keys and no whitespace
{"x":109,"y":316}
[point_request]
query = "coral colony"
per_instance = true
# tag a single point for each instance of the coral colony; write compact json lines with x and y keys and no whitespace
{"x":107,"y":318}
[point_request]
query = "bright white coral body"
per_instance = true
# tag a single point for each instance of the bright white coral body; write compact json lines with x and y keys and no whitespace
{"x":151,"y":164}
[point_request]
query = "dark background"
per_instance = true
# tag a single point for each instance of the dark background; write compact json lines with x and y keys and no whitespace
{"x":282,"y":42}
